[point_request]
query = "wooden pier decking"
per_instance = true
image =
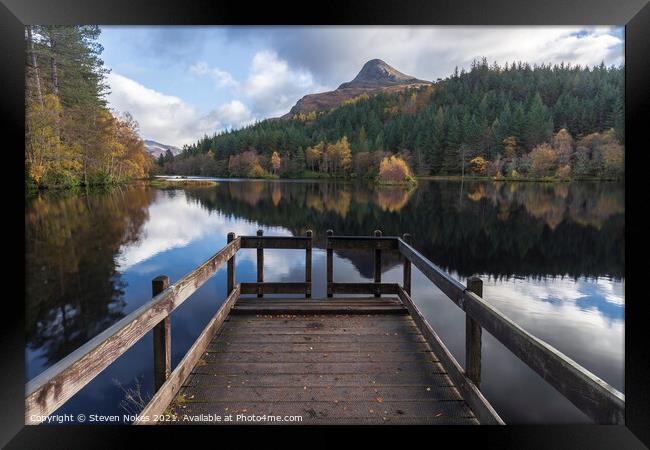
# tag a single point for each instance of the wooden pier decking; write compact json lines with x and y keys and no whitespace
{"x":333,"y":360}
{"x":327,"y":361}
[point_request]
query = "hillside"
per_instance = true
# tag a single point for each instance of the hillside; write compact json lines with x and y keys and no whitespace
{"x":156,"y":148}
{"x":375,"y":76}
{"x":517,"y":119}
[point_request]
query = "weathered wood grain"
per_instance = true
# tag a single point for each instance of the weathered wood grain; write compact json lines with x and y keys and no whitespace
{"x":341,"y":412}
{"x":276,"y":242}
{"x":406,"y":278}
{"x":230,"y":276}
{"x":167,"y":391}
{"x":330,"y":263}
{"x":308,"y":263}
{"x":451,"y":287}
{"x":54,"y":386}
{"x":260,"y":264}
{"x":362,"y":242}
{"x":473,"y":337}
{"x":363,"y":288}
{"x":377,"y":263}
{"x":328,"y":380}
{"x":162,"y":344}
{"x":474,"y":398}
{"x":275,"y":288}
{"x":592,"y":395}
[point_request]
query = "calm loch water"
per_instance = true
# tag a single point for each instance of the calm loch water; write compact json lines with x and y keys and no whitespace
{"x":551,"y":257}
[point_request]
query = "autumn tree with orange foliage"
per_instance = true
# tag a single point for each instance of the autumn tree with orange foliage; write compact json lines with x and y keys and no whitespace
{"x":395,"y":170}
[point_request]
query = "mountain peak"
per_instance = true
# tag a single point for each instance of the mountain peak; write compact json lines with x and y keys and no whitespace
{"x":375,"y":76}
{"x":377,"y":73}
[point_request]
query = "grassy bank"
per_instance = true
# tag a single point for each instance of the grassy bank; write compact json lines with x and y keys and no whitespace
{"x":183,"y":182}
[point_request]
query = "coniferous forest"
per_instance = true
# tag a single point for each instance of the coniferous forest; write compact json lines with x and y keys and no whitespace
{"x":513,"y":121}
{"x":71,"y":137}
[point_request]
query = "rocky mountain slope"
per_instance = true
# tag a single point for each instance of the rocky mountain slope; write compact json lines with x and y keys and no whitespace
{"x":156,"y":148}
{"x":375,"y":76}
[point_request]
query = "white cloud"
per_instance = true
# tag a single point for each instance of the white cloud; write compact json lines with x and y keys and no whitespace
{"x":272,"y":87}
{"x":336,"y":54}
{"x":303,"y":60}
{"x":168,"y":119}
{"x":221,"y":78}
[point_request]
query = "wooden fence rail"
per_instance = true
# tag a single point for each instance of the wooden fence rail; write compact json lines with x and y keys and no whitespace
{"x":589,"y":393}
{"x":49,"y":390}
{"x":54,"y":386}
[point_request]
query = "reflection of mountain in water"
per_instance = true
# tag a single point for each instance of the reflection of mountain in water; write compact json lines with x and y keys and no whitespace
{"x":73,"y":289}
{"x":500,"y":229}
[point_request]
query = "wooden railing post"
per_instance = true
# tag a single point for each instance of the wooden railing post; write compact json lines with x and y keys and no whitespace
{"x":407,"y":267}
{"x":330,"y":263}
{"x":377,"y":265}
{"x":260,"y":264}
{"x":308,"y":263}
{"x":162,"y":343}
{"x":231,"y":267}
{"x":473,"y":337}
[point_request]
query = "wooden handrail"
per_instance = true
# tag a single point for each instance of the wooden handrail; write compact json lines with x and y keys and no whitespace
{"x":54,"y":386}
{"x":362,"y":242}
{"x":593,"y":396}
{"x":281,"y":242}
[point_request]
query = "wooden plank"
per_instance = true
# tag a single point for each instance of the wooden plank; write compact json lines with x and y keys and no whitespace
{"x":316,"y":303}
{"x":344,"y":412}
{"x":313,"y":338}
{"x":275,"y":242}
{"x":308,"y":264}
{"x":260,"y":264}
{"x":166,"y":393}
{"x":377,"y":263}
{"x":473,"y":337}
{"x":230,"y":284}
{"x":324,"y":347}
{"x":323,"y":368}
{"x":363,"y":288}
{"x":451,"y":287}
{"x":330,"y":263}
{"x":274,"y":288}
{"x":162,"y":343}
{"x":298,"y":393}
{"x":380,"y":323}
{"x":406,"y":279}
{"x":418,"y":378}
{"x":54,"y":386}
{"x":394,"y":329}
{"x":307,"y":309}
{"x":362,"y":243}
{"x":312,"y":356}
{"x":589,"y":393}
{"x":331,"y":300}
{"x":472,"y":395}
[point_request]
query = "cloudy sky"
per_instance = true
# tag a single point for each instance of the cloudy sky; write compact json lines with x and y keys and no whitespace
{"x":183,"y":82}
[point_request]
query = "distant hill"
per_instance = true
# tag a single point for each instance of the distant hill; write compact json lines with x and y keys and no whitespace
{"x":498,"y":113}
{"x":156,"y":148}
{"x":375,"y":76}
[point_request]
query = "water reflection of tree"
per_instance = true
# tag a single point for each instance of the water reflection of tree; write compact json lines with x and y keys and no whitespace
{"x":527,"y":229}
{"x":73,"y":289}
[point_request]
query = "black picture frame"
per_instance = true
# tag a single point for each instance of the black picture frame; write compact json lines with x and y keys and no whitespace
{"x":634,"y":14}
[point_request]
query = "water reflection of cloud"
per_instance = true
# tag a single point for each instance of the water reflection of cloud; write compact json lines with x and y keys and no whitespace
{"x":175,"y":222}
{"x":561,"y":296}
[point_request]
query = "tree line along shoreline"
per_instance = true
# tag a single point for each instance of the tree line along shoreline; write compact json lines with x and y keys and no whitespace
{"x":518,"y":121}
{"x":514,"y":122}
{"x":72,"y":138}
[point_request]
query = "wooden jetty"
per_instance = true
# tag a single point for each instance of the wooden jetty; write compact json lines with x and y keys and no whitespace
{"x":364,"y":354}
